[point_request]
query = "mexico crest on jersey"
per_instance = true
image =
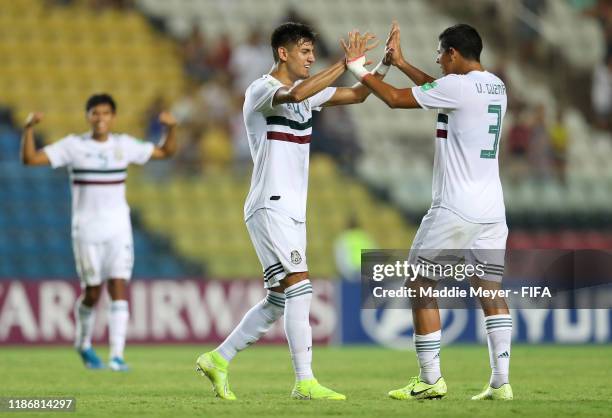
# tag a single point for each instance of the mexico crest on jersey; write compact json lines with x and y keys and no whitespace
{"x":296,"y":258}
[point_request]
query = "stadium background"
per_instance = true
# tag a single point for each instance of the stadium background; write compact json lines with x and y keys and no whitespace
{"x":196,"y":272}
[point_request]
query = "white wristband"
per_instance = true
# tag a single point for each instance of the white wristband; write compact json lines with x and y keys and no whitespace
{"x":355,"y":66}
{"x":381,"y":68}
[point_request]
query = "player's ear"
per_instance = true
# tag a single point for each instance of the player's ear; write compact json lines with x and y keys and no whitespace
{"x":283,"y":53}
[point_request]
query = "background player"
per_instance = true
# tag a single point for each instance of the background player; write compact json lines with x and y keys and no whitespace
{"x":468,"y":210}
{"x":277,"y":114}
{"x":101,"y":227}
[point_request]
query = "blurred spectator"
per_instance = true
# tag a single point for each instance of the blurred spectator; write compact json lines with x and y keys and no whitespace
{"x":541,"y":156}
{"x":334,"y":133}
{"x":189,"y":111}
{"x":582,"y":6}
{"x":101,"y":5}
{"x":527,"y":28}
{"x":517,"y":145}
{"x":520,"y":133}
{"x":559,"y":136}
{"x":61,"y":3}
{"x":153,"y":128}
{"x":6,"y":117}
{"x":196,"y":60}
{"x":221,"y":53}
{"x":216,"y":97}
{"x":185,"y":109}
{"x":216,"y":148}
{"x":9,"y":136}
{"x":250,"y":61}
{"x":188,"y":160}
{"x":601,"y":93}
{"x":347,"y":249}
{"x":240,"y":142}
{"x":602,"y":11}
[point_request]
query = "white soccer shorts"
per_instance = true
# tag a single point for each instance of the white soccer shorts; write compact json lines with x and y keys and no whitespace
{"x":280,"y":244}
{"x":98,"y":261}
{"x":442,"y":231}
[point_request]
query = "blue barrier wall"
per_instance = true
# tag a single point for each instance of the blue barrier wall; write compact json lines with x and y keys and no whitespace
{"x":393,"y":327}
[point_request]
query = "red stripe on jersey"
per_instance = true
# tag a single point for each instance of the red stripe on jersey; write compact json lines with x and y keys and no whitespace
{"x":441,"y":133}
{"x":282,"y":136}
{"x":96,"y":182}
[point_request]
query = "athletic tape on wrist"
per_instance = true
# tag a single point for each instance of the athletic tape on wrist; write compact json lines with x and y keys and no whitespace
{"x":381,"y":68}
{"x":355,"y":66}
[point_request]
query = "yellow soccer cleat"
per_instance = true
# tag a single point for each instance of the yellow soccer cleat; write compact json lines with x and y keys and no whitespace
{"x":502,"y":393}
{"x":416,"y":389}
{"x":310,"y":389}
{"x":213,"y":366}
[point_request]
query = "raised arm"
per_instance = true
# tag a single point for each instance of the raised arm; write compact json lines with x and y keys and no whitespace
{"x":167,"y":145}
{"x":417,"y":76}
{"x":29,"y":154}
{"x":396,"y":58}
{"x":393,"y":97}
{"x":313,"y":85}
{"x":358,"y":93}
{"x":310,"y":86}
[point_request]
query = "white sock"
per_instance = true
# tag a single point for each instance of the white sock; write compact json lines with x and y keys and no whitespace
{"x":255,"y":323}
{"x":84,"y":317}
{"x":428,"y":355}
{"x":499,"y":336}
{"x":297,"y":328}
{"x":118,"y":317}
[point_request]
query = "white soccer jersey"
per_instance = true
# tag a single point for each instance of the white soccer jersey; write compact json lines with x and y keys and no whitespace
{"x":98,"y":171}
{"x":466,"y":171}
{"x":279,"y":139}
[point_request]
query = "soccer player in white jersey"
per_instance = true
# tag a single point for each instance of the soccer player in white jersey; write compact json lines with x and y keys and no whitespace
{"x":277,"y":114}
{"x":467,"y":210}
{"x":101,"y":229}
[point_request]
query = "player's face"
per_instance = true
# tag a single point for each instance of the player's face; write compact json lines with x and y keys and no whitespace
{"x":300,"y":58}
{"x":101,"y":118}
{"x":444,"y":60}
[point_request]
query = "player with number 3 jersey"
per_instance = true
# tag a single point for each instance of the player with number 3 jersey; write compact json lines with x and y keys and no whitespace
{"x":467,"y":211}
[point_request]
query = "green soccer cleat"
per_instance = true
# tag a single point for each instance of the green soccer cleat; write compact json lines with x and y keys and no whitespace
{"x":214,"y":366}
{"x":418,"y":390}
{"x":502,"y":393}
{"x":310,"y":389}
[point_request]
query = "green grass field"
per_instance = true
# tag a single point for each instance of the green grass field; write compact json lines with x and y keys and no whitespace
{"x":555,"y":381}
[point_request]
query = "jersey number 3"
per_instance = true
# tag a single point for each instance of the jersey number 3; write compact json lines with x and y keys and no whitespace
{"x":495,"y":130}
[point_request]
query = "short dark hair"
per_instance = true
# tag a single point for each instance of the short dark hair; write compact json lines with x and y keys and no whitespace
{"x":98,"y":99}
{"x":290,"y":33}
{"x":464,"y":38}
